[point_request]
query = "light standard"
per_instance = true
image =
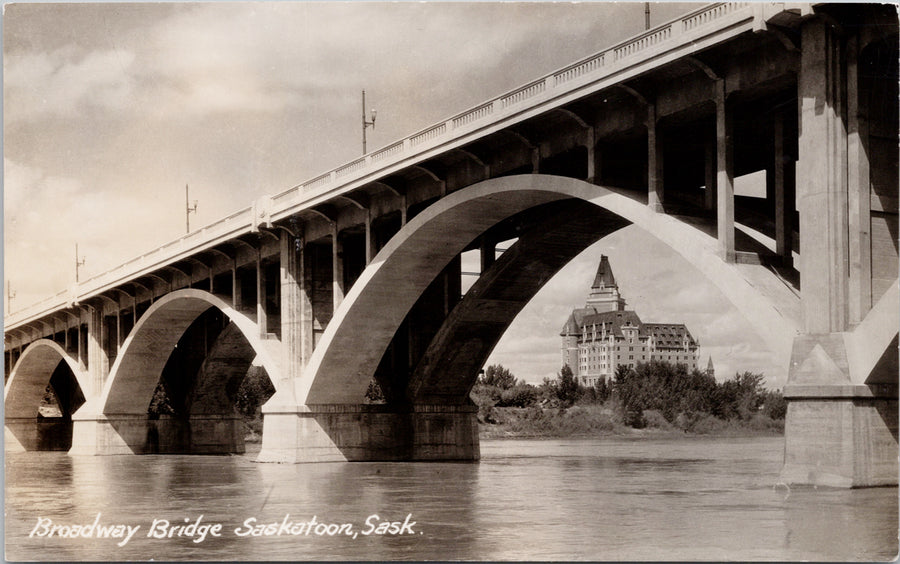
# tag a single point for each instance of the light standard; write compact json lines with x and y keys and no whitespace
{"x":365,"y":123}
{"x":188,"y":208}
{"x":10,"y":294}
{"x":78,"y":262}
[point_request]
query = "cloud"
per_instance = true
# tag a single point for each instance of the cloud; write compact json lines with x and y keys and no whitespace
{"x":46,"y":215}
{"x":64,"y":82}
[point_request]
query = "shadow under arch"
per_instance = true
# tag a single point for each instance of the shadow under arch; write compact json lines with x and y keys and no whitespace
{"x":363,"y":325}
{"x":40,"y":364}
{"x":124,"y":400}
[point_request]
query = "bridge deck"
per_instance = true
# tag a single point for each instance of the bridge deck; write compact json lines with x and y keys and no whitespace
{"x":654,"y":48}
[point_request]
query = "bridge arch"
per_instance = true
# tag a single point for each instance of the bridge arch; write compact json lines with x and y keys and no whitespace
{"x":23,"y":393}
{"x":362,"y":327}
{"x":137,"y":369}
{"x":35,"y":369}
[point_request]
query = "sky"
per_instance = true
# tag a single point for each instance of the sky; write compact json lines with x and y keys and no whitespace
{"x":111,"y":109}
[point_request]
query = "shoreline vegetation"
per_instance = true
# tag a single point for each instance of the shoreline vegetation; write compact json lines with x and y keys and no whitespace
{"x":591,"y":422}
{"x":653,"y":400}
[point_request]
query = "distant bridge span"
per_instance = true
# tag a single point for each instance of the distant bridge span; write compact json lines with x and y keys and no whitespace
{"x":354,"y":276}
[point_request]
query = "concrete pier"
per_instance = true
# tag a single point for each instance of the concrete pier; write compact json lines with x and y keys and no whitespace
{"x":340,"y":433}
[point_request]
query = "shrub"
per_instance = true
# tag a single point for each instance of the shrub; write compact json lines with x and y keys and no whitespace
{"x":521,"y":395}
{"x":654,"y":420}
{"x":708,"y":424}
{"x":497,"y":375}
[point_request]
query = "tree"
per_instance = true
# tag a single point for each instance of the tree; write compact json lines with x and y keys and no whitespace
{"x":497,"y":375}
{"x":774,"y":405}
{"x":739,"y":397}
{"x":374,"y":395}
{"x":567,"y":389}
{"x":255,"y":389}
{"x":159,"y":403}
{"x":602,"y":390}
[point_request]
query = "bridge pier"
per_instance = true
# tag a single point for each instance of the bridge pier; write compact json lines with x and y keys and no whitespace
{"x":37,"y":433}
{"x":841,"y":436}
{"x":838,"y":433}
{"x":350,"y":433}
{"x":137,"y":434}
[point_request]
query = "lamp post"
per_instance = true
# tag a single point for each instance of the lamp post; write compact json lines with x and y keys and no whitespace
{"x":9,"y":296}
{"x":79,"y":262}
{"x":365,"y":123}
{"x":188,"y":208}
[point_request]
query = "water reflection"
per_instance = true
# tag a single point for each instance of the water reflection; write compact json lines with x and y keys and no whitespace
{"x":591,"y":499}
{"x":838,"y":524}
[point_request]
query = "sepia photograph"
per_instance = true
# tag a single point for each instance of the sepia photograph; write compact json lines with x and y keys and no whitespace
{"x":450,"y":281}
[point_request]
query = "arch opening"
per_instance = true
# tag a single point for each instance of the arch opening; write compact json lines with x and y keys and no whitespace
{"x":208,"y":395}
{"x":42,"y":393}
{"x":178,"y":383}
{"x":405,"y":272}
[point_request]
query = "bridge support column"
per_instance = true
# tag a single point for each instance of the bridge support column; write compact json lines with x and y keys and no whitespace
{"x":337,"y":266}
{"x":837,"y":433}
{"x":724,"y":174}
{"x":822,"y":183}
{"x":349,"y":433}
{"x":709,"y":197}
{"x":98,"y":359}
{"x":783,"y":188}
{"x":859,"y":191}
{"x":261,"y":316}
{"x":655,"y":194}
{"x":296,"y":307}
{"x":236,"y":297}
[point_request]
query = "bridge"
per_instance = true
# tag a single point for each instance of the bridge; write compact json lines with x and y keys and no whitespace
{"x":354,"y":276}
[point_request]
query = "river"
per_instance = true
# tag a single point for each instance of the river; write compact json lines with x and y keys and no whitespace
{"x":591,"y":499}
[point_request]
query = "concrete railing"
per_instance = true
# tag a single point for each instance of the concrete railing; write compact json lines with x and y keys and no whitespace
{"x":235,"y":223}
{"x":647,"y":45}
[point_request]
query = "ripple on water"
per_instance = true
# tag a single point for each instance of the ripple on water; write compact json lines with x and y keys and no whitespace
{"x":525,"y":500}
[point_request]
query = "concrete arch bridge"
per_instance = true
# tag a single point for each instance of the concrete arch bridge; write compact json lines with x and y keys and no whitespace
{"x":355,"y":276}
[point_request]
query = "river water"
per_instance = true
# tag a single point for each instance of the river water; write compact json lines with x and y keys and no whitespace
{"x":593,"y":499}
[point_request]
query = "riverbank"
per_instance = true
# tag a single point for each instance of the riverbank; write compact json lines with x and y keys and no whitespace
{"x":593,"y":421}
{"x":599,"y":421}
